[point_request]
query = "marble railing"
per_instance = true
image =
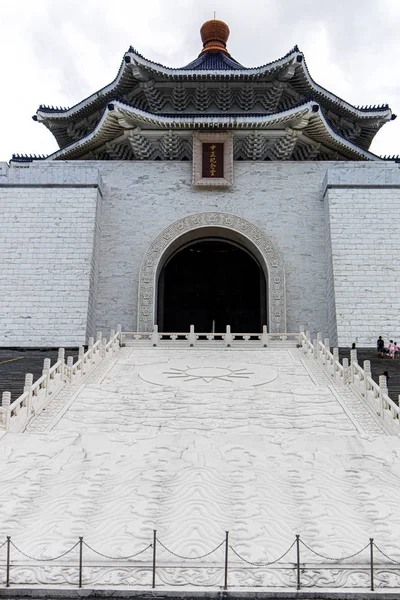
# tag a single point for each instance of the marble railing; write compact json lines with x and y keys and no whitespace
{"x":195,"y":337}
{"x":358,"y":378}
{"x":14,"y":416}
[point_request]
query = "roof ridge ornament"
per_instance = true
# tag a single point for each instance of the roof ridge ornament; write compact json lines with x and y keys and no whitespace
{"x":214,"y":35}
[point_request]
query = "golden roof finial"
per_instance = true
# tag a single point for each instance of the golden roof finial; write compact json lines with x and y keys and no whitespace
{"x":214,"y":35}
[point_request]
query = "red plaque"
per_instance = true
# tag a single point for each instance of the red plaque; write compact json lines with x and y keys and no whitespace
{"x":213,"y":160}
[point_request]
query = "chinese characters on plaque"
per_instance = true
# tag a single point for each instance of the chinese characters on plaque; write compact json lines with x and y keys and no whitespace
{"x":213,"y":160}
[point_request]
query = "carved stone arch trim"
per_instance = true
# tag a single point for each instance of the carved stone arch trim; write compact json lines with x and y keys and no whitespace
{"x":268,"y":254}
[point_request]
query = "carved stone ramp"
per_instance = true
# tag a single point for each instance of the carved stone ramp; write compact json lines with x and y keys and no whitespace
{"x":193,"y":443}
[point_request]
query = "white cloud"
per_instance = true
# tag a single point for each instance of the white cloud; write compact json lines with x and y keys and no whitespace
{"x":58,"y":52}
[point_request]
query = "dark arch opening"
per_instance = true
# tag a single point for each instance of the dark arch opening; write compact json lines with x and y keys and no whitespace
{"x":210,"y":283}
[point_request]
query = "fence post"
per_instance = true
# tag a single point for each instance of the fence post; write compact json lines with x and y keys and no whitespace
{"x":371,"y":552}
{"x":28,"y":388}
{"x":192,"y":336}
{"x":264,"y":337}
{"x":5,"y":402}
{"x":315,"y":344}
{"x":154,"y":557}
{"x":226,"y":560}
{"x":8,"y":561}
{"x":80,"y":560}
{"x":155,"y":338}
{"x":298,"y":559}
{"x":61,"y":357}
{"x":228,"y":336}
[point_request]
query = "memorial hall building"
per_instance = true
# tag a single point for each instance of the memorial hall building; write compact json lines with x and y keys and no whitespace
{"x":212,"y":194}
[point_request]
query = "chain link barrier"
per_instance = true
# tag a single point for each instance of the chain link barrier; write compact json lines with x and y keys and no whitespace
{"x":191,"y":557}
{"x":397,"y":562}
{"x":43,"y":559}
{"x":117,"y":557}
{"x":260,"y":564}
{"x":334,"y":558}
{"x":223,"y":543}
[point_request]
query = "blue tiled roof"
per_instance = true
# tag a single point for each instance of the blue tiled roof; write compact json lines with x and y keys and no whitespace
{"x":215,"y":61}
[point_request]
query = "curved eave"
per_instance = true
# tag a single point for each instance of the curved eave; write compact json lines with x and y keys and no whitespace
{"x":92,"y":102}
{"x":313,"y":124}
{"x":307,"y":85}
{"x":334,"y":102}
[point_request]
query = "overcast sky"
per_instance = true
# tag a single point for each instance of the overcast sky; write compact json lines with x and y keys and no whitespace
{"x":58,"y":52}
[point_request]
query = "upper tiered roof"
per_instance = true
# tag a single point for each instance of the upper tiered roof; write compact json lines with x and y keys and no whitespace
{"x":214,"y":91}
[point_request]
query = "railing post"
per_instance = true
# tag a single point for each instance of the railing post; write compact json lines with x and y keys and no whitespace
{"x":308,"y":335}
{"x":70,"y":362}
{"x":28,"y":388}
{"x":228,"y":336}
{"x":335,"y":353}
{"x":155,"y":337}
{"x":80,"y":560}
{"x":319,"y":336}
{"x":315,"y":344}
{"x":8,"y":561}
{"x":264,"y":337}
{"x":371,"y":553}
{"x":112,"y":336}
{"x":46,"y":372}
{"x":120,"y":336}
{"x":81,"y":352}
{"x":103,"y":345}
{"x":345,"y":363}
{"x":327,"y":348}
{"x":298,"y":560}
{"x":90,"y":348}
{"x":192,"y":336}
{"x":383,"y":390}
{"x":368,"y":373}
{"x":61,"y":357}
{"x":99,"y":335}
{"x":154,"y":558}
{"x":5,"y":402}
{"x":226,"y":560}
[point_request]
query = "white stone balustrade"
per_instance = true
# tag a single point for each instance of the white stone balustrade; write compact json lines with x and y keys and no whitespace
{"x":195,"y":338}
{"x":359,"y":379}
{"x":14,"y":416}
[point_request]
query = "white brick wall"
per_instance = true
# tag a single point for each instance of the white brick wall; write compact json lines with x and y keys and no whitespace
{"x":66,"y":272}
{"x":46,"y":249}
{"x":365,"y":237}
{"x":143,"y":198}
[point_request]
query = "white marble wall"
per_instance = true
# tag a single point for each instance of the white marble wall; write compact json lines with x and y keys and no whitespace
{"x":61,"y":288}
{"x":363,"y":204}
{"x":47,"y":260}
{"x":283,"y":199}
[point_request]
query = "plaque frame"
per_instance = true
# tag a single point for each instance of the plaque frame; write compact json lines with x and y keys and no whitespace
{"x":225,"y":138}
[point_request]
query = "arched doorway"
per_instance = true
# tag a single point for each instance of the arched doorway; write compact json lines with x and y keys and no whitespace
{"x":211,"y":282}
{"x":224,"y":226}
